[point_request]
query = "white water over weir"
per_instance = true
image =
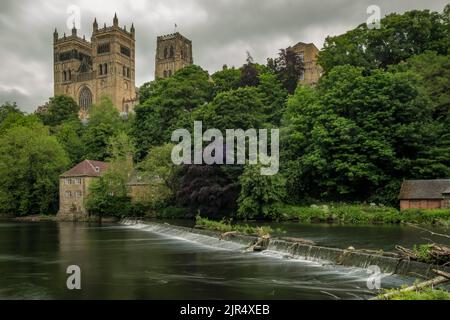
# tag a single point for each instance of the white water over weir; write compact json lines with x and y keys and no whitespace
{"x":348,"y":258}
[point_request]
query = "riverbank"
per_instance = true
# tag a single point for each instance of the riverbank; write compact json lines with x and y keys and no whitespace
{"x":55,"y":218}
{"x":362,"y":214}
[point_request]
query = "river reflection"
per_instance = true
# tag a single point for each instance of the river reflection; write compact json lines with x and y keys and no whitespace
{"x":122,"y":263}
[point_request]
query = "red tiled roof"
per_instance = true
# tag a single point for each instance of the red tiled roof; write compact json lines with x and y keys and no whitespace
{"x":87,"y":168}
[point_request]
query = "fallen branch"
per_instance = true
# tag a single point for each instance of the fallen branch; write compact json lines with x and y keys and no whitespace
{"x":430,"y":283}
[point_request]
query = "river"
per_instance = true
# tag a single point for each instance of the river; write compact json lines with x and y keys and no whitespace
{"x":119,"y":262}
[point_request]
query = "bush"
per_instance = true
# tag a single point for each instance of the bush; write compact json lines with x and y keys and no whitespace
{"x":226,"y":226}
{"x":171,"y":212}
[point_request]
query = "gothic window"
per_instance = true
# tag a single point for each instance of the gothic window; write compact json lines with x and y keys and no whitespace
{"x":70,"y":75}
{"x":105,"y":68}
{"x":128,"y":72}
{"x":166,"y":53}
{"x":85,"y":98}
{"x":125,"y":51}
{"x":100,"y":67}
{"x":103,"y":48}
{"x":171,"y":52}
{"x":124,"y":71}
{"x":64,"y":76}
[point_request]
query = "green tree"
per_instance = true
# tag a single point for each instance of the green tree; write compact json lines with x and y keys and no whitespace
{"x":70,"y":136}
{"x":60,"y":108}
{"x":434,"y":73}
{"x":288,"y":67}
{"x":30,"y":164}
{"x":235,"y":109}
{"x":17,"y":119}
{"x":273,"y":97}
{"x":260,"y":194}
{"x":168,"y":107}
{"x":109,"y":195}
{"x":226,"y":80}
{"x":400,"y":37}
{"x":356,"y":135}
{"x":8,"y":108}
{"x":249,"y":73}
{"x":104,"y":123}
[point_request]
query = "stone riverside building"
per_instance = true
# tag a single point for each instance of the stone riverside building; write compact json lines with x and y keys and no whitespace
{"x":425,"y":194}
{"x":308,"y":52}
{"x":74,"y":186}
{"x":173,"y":52}
{"x":105,"y":66}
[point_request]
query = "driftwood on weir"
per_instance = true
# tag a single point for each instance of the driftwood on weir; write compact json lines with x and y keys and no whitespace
{"x":436,"y":254}
{"x":441,"y":279}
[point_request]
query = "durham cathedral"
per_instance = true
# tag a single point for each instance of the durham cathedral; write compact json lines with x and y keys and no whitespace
{"x":105,"y":65}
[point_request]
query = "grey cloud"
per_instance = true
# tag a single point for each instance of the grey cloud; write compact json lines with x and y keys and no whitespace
{"x":221,"y":30}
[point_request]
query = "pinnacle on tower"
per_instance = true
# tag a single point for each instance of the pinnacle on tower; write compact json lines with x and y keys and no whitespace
{"x":74,"y":30}
{"x":132,"y":29}
{"x":55,"y":35}
{"x":115,"y":20}
{"x":95,"y":24}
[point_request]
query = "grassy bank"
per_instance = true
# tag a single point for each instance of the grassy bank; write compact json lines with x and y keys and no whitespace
{"x":426,"y":294}
{"x":362,"y":214}
{"x":224,"y":226}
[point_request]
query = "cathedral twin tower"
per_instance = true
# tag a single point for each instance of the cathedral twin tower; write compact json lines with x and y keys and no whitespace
{"x":105,"y":66}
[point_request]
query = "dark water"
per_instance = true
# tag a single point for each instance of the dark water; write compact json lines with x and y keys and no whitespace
{"x":374,"y":237}
{"x":123,"y":263}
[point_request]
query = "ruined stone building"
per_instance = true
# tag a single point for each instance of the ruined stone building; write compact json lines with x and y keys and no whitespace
{"x":104,"y":66}
{"x":173,"y":52}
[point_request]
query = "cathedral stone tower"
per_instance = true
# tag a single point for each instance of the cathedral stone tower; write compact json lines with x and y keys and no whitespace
{"x":173,"y":52}
{"x":87,"y":71}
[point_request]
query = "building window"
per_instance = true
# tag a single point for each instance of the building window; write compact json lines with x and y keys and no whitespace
{"x":124,"y":71}
{"x":103,"y":48}
{"x":172,"y":53}
{"x":165,"y":73}
{"x":166,"y":53}
{"x":97,"y":169}
{"x":100,"y":68}
{"x":170,"y":73}
{"x":85,"y":98}
{"x":105,"y":68}
{"x":125,"y":51}
{"x":64,"y":76}
{"x":77,"y":194}
{"x":301,"y":56}
{"x":68,"y":194}
{"x":128,"y":72}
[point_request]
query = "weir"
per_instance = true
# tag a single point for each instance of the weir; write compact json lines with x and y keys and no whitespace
{"x":291,"y":249}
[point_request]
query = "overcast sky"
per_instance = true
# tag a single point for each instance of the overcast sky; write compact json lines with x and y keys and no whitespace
{"x":221,"y":31}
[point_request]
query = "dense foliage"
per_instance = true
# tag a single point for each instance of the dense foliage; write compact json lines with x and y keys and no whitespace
{"x":380,"y":114}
